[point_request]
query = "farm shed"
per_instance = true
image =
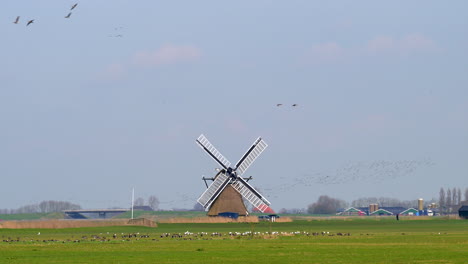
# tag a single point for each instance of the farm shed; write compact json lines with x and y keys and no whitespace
{"x":463,"y":212}
{"x":353,"y":211}
{"x":381,"y":212}
{"x":409,"y":211}
{"x":393,"y":209}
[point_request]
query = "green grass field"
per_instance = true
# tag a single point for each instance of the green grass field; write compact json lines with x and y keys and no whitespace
{"x":370,"y":240}
{"x":31,"y":216}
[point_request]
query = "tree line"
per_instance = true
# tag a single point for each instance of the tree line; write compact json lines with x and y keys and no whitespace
{"x":449,"y":201}
{"x":59,"y":206}
{"x":43,"y":207}
{"x":152,"y":202}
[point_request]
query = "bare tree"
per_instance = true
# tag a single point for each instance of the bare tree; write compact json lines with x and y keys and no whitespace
{"x":442,"y":202}
{"x":466,"y":194}
{"x":139,"y":202}
{"x":454,"y":196}
{"x":448,"y":200}
{"x":33,"y":208}
{"x":459,"y":196}
{"x":198,"y":207}
{"x":326,"y":205}
{"x":153,"y":202}
{"x":48,"y":207}
{"x":382,"y":201}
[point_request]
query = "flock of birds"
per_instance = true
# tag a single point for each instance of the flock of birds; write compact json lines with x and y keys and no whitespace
{"x":32,"y":20}
{"x":365,"y":171}
{"x":137,"y":236}
{"x":293,"y":105}
{"x":116,"y":34}
{"x":374,"y":172}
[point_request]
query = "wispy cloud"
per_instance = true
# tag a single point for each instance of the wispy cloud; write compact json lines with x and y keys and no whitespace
{"x":373,"y":124}
{"x":167,"y":54}
{"x":412,"y":43}
{"x":324,"y":53}
{"x":112,"y":72}
{"x":383,"y":45}
{"x":236,"y":125}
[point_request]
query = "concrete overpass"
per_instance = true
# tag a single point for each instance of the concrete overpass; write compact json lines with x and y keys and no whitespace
{"x":94,"y":213}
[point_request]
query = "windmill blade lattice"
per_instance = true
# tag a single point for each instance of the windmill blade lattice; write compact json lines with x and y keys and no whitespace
{"x":250,"y":156}
{"x":212,"y":151}
{"x":251,"y":195}
{"x":213,"y":190}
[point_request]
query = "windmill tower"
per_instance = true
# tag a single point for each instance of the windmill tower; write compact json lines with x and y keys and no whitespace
{"x":228,"y":188}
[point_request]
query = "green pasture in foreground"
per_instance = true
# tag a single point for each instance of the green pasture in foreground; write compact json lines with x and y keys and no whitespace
{"x":371,"y":240}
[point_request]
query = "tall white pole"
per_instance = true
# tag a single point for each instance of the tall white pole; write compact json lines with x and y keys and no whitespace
{"x":133,"y":197}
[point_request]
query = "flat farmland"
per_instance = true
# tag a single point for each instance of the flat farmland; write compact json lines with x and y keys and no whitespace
{"x":328,"y":240}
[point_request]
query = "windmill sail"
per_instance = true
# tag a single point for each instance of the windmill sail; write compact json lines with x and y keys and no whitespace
{"x":229,"y":188}
{"x":250,"y":156}
{"x":213,"y":190}
{"x":250,"y":194}
{"x":213,"y":152}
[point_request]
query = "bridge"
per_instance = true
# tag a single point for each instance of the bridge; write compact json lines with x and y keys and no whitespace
{"x":94,"y":213}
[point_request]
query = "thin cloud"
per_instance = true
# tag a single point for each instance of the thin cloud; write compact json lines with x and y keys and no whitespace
{"x":383,"y":45}
{"x":374,"y":124}
{"x":418,"y":42}
{"x":165,"y":55}
{"x":112,"y":72}
{"x":328,"y":52}
{"x":412,"y":43}
{"x":236,"y":125}
{"x":168,"y":54}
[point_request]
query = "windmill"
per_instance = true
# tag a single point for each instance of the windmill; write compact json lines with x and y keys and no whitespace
{"x":228,"y":188}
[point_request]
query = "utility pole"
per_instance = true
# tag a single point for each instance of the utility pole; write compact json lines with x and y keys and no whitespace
{"x":133,"y":198}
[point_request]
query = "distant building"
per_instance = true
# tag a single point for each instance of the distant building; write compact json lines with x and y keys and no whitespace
{"x":353,"y":211}
{"x":381,"y":211}
{"x":93,"y":213}
{"x":268,"y":210}
{"x":463,"y":212}
{"x":410,"y":211}
{"x":392,"y":209}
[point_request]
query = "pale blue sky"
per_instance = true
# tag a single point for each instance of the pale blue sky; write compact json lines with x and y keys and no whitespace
{"x":86,"y":115}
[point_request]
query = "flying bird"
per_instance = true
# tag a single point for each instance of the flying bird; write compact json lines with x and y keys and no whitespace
{"x":30,"y":22}
{"x":17,"y":20}
{"x":279,"y":104}
{"x":294,"y":105}
{"x":68,"y":16}
{"x":73,"y":6}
